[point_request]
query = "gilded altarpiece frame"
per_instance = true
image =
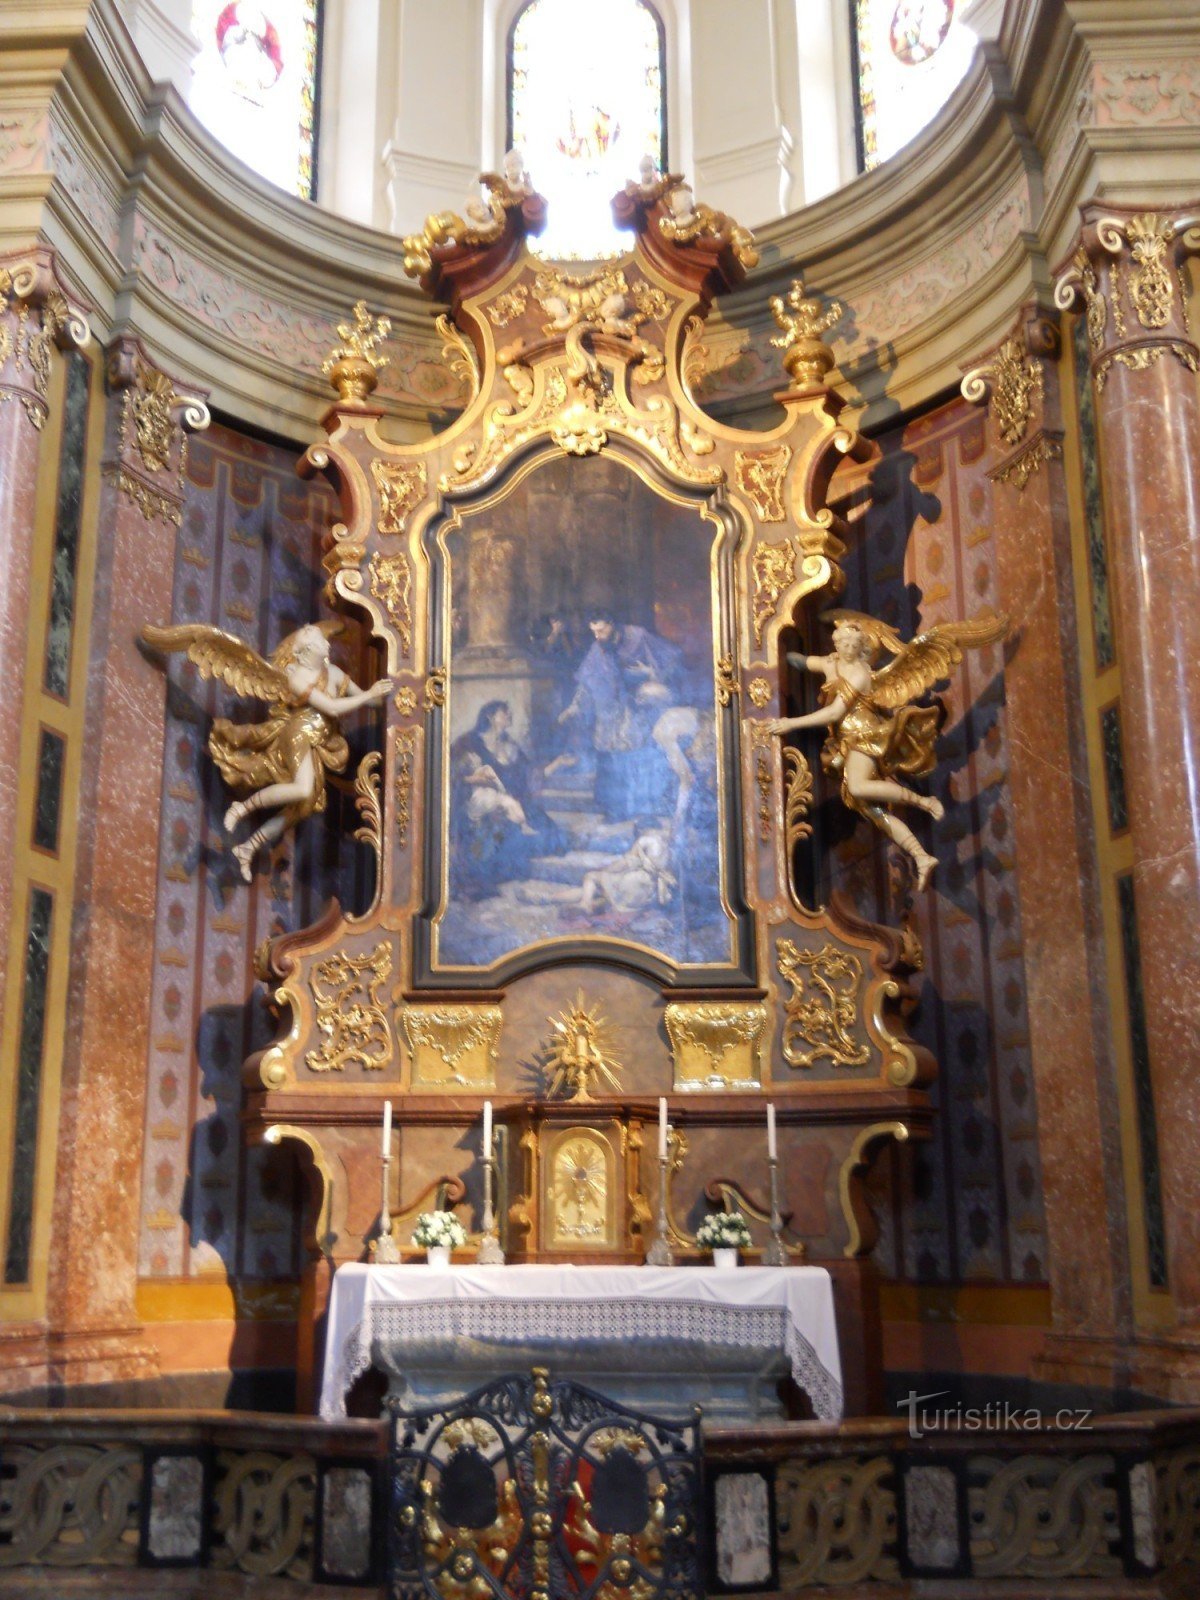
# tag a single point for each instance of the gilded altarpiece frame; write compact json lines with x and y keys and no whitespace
{"x":578,"y":381}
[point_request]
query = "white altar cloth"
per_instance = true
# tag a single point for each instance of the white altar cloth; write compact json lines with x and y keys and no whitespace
{"x":790,"y":1308}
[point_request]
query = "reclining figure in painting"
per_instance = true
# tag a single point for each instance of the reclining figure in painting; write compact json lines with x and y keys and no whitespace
{"x":875,"y":732}
{"x":279,"y":763}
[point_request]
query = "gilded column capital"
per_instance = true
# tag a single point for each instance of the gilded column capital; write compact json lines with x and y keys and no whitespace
{"x":1011,"y":382}
{"x":146,"y":455}
{"x":36,"y":316}
{"x":1129,"y":278}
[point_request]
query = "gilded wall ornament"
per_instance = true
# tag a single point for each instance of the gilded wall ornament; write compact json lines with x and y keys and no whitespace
{"x":760,"y":473}
{"x":1022,"y":467}
{"x":453,"y":1046}
{"x":391,"y":582}
{"x":401,"y":488}
{"x":405,"y":700}
{"x":507,"y":307}
{"x":150,"y":403}
{"x":435,"y":689}
{"x":352,"y":366}
{"x":579,"y":1055}
{"x":1016,"y":380}
{"x":726,"y":679}
{"x":715,"y":1045}
{"x":802,"y":320}
{"x":774,"y":573}
{"x":826,"y":1018}
{"x":760,"y":692}
{"x":351,"y":1011}
{"x":483,"y":224}
{"x":368,"y":803}
{"x":406,"y":744}
{"x":1151,"y":287}
{"x":460,"y":356}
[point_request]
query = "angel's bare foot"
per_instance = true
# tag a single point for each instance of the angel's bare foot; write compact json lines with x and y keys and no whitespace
{"x":244,"y":855}
{"x":234,"y":815}
{"x":925,"y":866}
{"x":933,"y":805}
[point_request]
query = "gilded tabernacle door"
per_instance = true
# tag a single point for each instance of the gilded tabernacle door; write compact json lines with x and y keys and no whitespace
{"x":581,"y":793}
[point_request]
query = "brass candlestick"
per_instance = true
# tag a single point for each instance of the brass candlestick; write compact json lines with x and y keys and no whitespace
{"x":660,"y":1253}
{"x":489,"y":1253}
{"x":775,"y":1255}
{"x":386,"y":1252}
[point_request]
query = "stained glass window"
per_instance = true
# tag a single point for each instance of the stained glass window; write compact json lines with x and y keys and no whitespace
{"x":255,"y":84}
{"x":911,"y":54}
{"x":585,"y":104}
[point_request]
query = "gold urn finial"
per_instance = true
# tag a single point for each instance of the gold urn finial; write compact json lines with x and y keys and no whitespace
{"x":803,"y":320}
{"x":579,"y":1052}
{"x":351,"y":366}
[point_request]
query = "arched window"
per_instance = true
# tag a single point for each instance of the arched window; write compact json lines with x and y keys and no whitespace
{"x":910,"y":55}
{"x":255,"y":84}
{"x":586,"y":102}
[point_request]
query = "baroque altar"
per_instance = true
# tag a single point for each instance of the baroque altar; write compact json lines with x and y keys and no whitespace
{"x":583,"y":590}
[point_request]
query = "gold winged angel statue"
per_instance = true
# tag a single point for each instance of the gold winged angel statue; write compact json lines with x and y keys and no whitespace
{"x":875,"y":730}
{"x":280,"y":764}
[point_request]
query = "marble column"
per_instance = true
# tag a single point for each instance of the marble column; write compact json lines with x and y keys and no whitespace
{"x":1065,"y":974}
{"x":94,"y":1333}
{"x":1129,"y":278}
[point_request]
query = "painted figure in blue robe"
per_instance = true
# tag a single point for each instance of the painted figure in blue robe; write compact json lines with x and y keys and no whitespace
{"x":497,"y":826}
{"x":628,"y":681}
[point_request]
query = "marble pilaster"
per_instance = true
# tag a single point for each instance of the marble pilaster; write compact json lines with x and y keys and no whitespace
{"x":1078,"y":1127}
{"x":94,"y":1334}
{"x":1129,"y":278}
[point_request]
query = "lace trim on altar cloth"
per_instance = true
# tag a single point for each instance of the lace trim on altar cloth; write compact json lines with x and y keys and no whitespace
{"x":516,"y":1321}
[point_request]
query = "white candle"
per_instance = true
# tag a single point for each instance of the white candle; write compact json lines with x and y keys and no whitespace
{"x":662,"y":1128}
{"x":387,"y":1129}
{"x":487,"y":1130}
{"x":772,"y":1150}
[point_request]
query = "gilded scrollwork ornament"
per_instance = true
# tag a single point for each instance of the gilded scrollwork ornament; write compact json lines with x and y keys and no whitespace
{"x":774,"y":573}
{"x":391,"y":583}
{"x":688,"y":219}
{"x":453,"y":1046}
{"x":349,"y":996}
{"x":715,"y":1045}
{"x":822,"y":1013}
{"x":760,"y":473}
{"x":401,"y":487}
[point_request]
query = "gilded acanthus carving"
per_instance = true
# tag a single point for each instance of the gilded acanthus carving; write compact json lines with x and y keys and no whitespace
{"x":822,"y":1012}
{"x":391,"y":583}
{"x":1128,"y":278}
{"x":483,"y":224}
{"x":155,"y":420}
{"x":726,"y":680}
{"x":715,"y":1045}
{"x":35,"y":318}
{"x":1014,"y":381}
{"x":774,"y":573}
{"x":760,"y":473}
{"x":401,"y":488}
{"x":349,"y":994}
{"x":1020,"y":468}
{"x":369,"y":805}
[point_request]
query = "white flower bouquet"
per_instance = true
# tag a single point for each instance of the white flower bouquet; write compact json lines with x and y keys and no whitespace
{"x":439,"y":1229}
{"x":723,"y":1230}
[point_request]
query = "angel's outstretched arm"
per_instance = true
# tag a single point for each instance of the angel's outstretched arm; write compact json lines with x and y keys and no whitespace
{"x":833,"y":712}
{"x":806,"y":663}
{"x":332,"y":707}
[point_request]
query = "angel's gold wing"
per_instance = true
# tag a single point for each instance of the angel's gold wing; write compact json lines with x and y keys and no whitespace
{"x":930,"y":657}
{"x":879,"y":635}
{"x":221,"y":655}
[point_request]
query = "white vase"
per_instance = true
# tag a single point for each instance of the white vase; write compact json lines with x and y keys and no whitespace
{"x":438,"y":1255}
{"x":723,"y":1260}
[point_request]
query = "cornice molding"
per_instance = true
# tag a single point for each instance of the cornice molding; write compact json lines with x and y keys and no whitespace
{"x":240,"y":286}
